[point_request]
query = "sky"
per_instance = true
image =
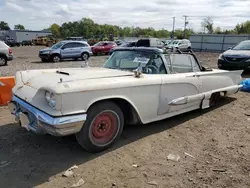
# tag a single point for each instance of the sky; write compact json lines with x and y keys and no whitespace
{"x":40,"y":14}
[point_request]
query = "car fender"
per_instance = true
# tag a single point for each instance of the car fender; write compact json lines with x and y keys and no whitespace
{"x":99,"y":99}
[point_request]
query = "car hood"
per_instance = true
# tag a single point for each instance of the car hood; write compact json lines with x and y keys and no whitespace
{"x":237,"y":53}
{"x":50,"y":78}
{"x":45,"y":50}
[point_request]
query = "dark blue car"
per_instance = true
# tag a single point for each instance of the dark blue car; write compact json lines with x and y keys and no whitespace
{"x":236,"y":58}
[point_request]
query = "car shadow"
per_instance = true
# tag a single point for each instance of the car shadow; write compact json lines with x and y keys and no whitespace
{"x":32,"y":159}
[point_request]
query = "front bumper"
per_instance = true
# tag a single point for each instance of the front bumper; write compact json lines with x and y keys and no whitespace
{"x":45,"y":56}
{"x":222,"y":64}
{"x":39,"y":122}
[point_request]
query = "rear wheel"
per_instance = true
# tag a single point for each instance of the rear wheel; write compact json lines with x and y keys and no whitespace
{"x":85,"y":56}
{"x":214,"y":100}
{"x":102,"y":128}
{"x":3,"y":61}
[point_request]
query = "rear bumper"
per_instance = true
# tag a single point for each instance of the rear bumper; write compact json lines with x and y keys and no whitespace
{"x":9,"y":57}
{"x":39,"y":122}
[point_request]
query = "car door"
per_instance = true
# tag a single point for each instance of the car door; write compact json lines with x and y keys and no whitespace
{"x":79,"y":48}
{"x":180,"y":88}
{"x":181,"y":45}
{"x":67,"y":50}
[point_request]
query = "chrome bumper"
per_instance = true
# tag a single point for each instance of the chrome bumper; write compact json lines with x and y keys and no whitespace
{"x":39,"y":122}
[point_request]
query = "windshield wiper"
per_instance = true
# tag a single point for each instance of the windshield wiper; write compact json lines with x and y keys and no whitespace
{"x":60,"y":72}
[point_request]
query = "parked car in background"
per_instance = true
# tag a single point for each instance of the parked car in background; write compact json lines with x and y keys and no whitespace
{"x":166,"y":42}
{"x":135,"y":86}
{"x":125,"y":44}
{"x":5,"y":54}
{"x":183,"y":45}
{"x":236,"y":58}
{"x":66,"y":50}
{"x":103,"y":47}
{"x":26,"y":43}
{"x":150,"y":42}
{"x":119,"y":42}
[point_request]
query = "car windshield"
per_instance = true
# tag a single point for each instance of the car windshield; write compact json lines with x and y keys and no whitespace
{"x":242,"y":46}
{"x":58,"y":45}
{"x":130,"y":60}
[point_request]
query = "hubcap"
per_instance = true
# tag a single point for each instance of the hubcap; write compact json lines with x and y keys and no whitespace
{"x":2,"y":61}
{"x":56,"y":59}
{"x":85,"y":56}
{"x":104,"y":128}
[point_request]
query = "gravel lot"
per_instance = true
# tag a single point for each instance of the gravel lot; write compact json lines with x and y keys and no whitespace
{"x":26,"y":57}
{"x":218,"y":140}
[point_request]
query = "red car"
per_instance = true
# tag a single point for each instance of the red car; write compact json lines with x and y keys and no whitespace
{"x":103,"y":47}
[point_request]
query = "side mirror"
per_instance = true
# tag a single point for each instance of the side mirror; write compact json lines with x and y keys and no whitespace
{"x":229,"y":48}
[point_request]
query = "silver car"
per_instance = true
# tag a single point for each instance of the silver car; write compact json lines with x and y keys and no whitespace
{"x":66,"y":50}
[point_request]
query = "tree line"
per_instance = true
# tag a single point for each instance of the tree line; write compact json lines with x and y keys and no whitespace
{"x":87,"y":28}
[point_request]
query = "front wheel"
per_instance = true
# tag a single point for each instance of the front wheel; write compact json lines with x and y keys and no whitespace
{"x":56,"y":58}
{"x":102,"y":128}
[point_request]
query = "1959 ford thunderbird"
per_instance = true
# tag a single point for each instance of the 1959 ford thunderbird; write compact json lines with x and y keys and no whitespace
{"x":136,"y":85}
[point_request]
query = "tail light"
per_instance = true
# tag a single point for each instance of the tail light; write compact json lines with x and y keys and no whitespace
{"x":10,"y":51}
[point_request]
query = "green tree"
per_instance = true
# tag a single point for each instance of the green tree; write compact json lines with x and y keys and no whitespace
{"x":19,"y":27}
{"x":55,"y":29}
{"x":4,"y":26}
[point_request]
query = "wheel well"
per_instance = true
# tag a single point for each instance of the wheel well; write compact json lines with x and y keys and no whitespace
{"x":130,"y":114}
{"x":85,"y":53}
{"x":4,"y":56}
{"x":56,"y":54}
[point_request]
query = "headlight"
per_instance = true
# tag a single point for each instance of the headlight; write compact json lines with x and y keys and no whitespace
{"x":50,"y":98}
{"x":221,"y":57}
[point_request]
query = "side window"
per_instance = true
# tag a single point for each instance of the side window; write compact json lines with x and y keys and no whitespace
{"x":69,"y":45}
{"x":79,"y":45}
{"x":181,"y":63}
{"x":195,"y":64}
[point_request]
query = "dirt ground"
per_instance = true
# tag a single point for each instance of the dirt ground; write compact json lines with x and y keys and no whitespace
{"x":213,"y":146}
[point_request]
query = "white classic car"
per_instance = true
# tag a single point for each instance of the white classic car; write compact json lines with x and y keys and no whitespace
{"x":136,"y":85}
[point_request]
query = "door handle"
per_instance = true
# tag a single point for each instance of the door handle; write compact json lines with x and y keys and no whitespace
{"x":196,"y":75}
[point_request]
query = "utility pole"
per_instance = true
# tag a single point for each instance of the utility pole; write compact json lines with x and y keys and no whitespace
{"x":173,"y":27}
{"x":185,"y":26}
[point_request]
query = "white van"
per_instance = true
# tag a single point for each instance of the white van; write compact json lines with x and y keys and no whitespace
{"x":150,"y":42}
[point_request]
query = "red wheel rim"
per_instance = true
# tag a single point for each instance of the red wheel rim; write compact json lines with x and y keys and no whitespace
{"x":104,"y":127}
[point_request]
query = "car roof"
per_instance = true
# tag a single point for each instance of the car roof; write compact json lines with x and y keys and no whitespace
{"x":80,"y":41}
{"x":146,"y":49}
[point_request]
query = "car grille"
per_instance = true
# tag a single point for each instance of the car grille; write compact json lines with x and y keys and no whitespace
{"x":233,"y":59}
